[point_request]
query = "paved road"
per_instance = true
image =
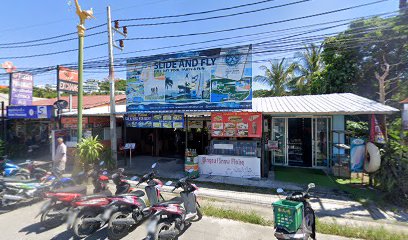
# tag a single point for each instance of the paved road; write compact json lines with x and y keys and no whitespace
{"x":21,"y":224}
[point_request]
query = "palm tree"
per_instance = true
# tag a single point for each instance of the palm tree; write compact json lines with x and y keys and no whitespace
{"x":310,"y":64}
{"x":278,"y":76}
{"x":168,"y":83}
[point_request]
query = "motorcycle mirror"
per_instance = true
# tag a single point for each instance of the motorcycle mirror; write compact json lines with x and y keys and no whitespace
{"x":279,"y":190}
{"x":168,"y":183}
{"x":134,"y":178}
{"x":105,"y":173}
{"x":311,"y":185}
{"x":101,"y":163}
{"x":190,"y":170}
{"x":154,"y":165}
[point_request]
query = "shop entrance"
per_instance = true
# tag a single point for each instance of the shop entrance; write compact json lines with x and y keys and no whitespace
{"x":300,"y":142}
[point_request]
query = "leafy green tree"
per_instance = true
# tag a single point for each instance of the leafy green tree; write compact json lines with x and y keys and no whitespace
{"x":262,"y":93}
{"x":278,"y":77}
{"x":44,"y":93}
{"x":120,"y":85}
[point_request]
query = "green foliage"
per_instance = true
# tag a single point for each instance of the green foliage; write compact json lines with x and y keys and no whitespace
{"x":106,"y":156}
{"x":89,"y":150}
{"x":44,"y":93}
{"x":242,"y":216}
{"x":278,"y":77}
{"x":358,"y":129}
{"x":4,"y":90}
{"x":262,"y":93}
{"x":392,"y":178}
{"x":120,"y":85}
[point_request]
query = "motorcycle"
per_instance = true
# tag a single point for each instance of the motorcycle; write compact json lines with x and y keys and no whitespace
{"x":58,"y":206}
{"x":131,"y":213}
{"x":8,"y":168}
{"x":170,"y":218}
{"x":90,"y":213}
{"x":15,"y":192}
{"x":294,"y":216}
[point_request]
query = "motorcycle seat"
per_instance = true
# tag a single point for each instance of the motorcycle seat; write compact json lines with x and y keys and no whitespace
{"x":137,"y":193}
{"x":74,"y":189}
{"x":94,"y":196}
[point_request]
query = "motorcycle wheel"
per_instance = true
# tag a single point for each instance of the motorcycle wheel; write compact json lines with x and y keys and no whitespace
{"x":117,"y":232}
{"x":82,"y":230}
{"x":308,"y":222}
{"x":162,"y":226}
{"x":50,"y":222}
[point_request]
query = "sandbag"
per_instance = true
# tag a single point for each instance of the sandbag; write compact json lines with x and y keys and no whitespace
{"x":373,"y":160}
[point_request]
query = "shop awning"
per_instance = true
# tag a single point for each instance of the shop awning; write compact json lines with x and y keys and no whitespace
{"x":327,"y":104}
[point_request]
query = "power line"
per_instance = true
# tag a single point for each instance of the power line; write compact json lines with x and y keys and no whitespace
{"x":49,"y":38}
{"x":217,"y":17}
{"x":198,"y":13}
{"x":258,"y":25}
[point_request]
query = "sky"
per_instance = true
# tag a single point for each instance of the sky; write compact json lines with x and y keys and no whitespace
{"x":25,"y":20}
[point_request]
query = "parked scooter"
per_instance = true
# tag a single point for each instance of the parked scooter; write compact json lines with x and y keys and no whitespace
{"x":170,"y":218}
{"x":294,"y":216}
{"x":89,"y":213}
{"x":15,"y":192}
{"x":7,"y":168}
{"x":131,"y":213}
{"x":55,"y":211}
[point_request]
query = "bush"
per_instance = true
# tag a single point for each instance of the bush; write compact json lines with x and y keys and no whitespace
{"x":89,"y":150}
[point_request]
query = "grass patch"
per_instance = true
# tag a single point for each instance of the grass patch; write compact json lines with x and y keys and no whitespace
{"x":368,"y":233}
{"x":358,"y":232}
{"x":241,"y":216}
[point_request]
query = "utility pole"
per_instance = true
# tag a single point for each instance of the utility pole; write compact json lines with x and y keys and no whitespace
{"x":83,"y":15}
{"x":111,"y":44}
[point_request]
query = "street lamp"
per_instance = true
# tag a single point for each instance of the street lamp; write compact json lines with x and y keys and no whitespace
{"x":83,"y":15}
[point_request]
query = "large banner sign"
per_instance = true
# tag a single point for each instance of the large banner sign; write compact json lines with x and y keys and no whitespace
{"x":236,"y":124}
{"x":21,"y":89}
{"x":203,"y":80}
{"x":231,"y":166}
{"x":155,"y":120}
{"x":29,"y":112}
{"x":67,"y":80}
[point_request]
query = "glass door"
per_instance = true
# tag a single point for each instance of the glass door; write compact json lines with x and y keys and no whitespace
{"x":278,"y":138}
{"x":321,"y":134}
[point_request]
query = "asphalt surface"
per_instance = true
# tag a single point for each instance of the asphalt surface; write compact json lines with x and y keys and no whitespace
{"x":20,"y":223}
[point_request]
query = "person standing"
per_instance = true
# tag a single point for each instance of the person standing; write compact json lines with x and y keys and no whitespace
{"x":60,"y":157}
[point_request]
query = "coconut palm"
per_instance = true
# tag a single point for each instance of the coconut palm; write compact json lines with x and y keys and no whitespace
{"x":168,"y":83}
{"x":310,"y":64}
{"x":277,"y":77}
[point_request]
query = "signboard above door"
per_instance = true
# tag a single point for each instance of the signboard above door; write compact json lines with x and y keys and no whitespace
{"x":29,"y":112}
{"x":148,"y":120}
{"x":236,"y":124}
{"x":211,"y":79}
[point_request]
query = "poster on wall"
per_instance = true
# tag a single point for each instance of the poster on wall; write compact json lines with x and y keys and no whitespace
{"x":148,"y":120}
{"x":21,"y":89}
{"x":209,"y":79}
{"x":236,"y":124}
{"x":67,"y":80}
{"x":231,"y":166}
{"x":357,"y":155}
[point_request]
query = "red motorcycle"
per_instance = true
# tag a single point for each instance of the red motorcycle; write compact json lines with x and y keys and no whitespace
{"x":88,"y":214}
{"x":131,"y":213}
{"x":171,"y":218}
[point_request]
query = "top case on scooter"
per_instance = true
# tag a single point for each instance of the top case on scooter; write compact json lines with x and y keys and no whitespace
{"x":189,"y":200}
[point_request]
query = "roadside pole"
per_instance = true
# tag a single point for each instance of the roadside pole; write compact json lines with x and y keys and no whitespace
{"x":58,"y":98}
{"x":113,"y":137}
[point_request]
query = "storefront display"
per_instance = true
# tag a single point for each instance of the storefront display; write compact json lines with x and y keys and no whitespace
{"x":191,"y":162}
{"x":236,"y":124}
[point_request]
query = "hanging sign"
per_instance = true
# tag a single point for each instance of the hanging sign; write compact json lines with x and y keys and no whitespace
{"x":236,"y":124}
{"x":376,"y":133}
{"x":209,"y":79}
{"x":148,"y":120}
{"x":21,"y":89}
{"x":29,"y":112}
{"x":195,"y":124}
{"x":67,"y":80}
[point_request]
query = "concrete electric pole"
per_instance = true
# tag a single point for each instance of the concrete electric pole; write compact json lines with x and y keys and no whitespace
{"x":111,"y":44}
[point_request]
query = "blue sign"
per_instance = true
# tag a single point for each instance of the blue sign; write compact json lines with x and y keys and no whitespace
{"x":29,"y":112}
{"x":148,"y":120}
{"x":211,"y":79}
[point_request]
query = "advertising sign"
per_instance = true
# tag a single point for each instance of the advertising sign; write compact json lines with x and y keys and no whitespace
{"x":231,"y":166}
{"x":147,"y":120}
{"x":72,"y":122}
{"x":236,"y":124}
{"x":67,"y":80}
{"x":21,"y":89}
{"x":405,"y":117}
{"x":357,"y":155}
{"x":218,"y":78}
{"x":195,"y":124}
{"x":32,"y":112}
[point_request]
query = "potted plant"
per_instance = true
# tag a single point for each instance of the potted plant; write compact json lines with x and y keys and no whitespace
{"x":89,"y":151}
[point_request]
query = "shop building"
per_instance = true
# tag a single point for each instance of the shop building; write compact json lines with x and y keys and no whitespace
{"x":294,"y":131}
